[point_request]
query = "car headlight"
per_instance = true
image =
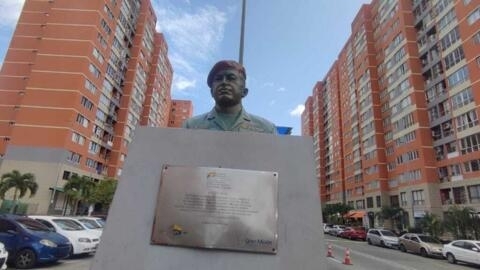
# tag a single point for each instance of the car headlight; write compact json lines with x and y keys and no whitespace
{"x":84,"y":240}
{"x":48,"y":243}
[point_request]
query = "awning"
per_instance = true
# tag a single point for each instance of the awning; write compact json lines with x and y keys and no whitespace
{"x":59,"y":189}
{"x":356,"y":214}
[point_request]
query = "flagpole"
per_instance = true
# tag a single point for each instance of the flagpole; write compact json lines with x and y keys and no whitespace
{"x":242,"y":32}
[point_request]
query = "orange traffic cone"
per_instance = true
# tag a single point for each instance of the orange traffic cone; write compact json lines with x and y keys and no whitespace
{"x":329,"y":251}
{"x":347,"y":260}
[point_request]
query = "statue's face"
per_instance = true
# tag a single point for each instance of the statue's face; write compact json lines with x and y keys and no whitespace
{"x":228,"y":88}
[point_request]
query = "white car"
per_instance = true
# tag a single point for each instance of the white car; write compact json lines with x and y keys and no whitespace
{"x":462,"y":250}
{"x":83,"y":241}
{"x":337,"y":229}
{"x":382,"y":237}
{"x":3,"y":256}
{"x":96,"y":222}
{"x":89,"y":225}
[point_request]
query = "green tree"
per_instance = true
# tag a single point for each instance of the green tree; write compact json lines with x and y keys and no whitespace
{"x":104,"y":191}
{"x":332,"y":211}
{"x":21,"y":183}
{"x":393,"y":214}
{"x":78,"y":189}
{"x":461,"y":222}
{"x":432,"y":225}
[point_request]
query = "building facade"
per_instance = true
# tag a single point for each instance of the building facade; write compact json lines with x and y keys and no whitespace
{"x":180,"y":111}
{"x":77,"y":79}
{"x":409,"y":136}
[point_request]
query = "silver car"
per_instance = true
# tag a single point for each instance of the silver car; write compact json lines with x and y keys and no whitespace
{"x":382,"y":237}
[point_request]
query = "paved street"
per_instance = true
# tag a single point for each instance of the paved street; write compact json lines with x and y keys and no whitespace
{"x":365,"y":257}
{"x":77,"y":263}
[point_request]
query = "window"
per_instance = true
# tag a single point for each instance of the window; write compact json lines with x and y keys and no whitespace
{"x":73,"y":157}
{"x":102,"y":40}
{"x":369,"y":202}
{"x":94,"y":70}
{"x":474,"y":193}
{"x":472,"y":165}
{"x":458,"y":77}
{"x":66,"y":175}
{"x":463,"y":98}
{"x":379,"y":201}
{"x":86,"y":103}
{"x":470,"y":143}
{"x":105,"y":27}
{"x":77,"y":138}
{"x":90,"y":86}
{"x":91,"y":163}
{"x":82,"y":120}
{"x":450,"y":38}
{"x":96,"y":53}
{"x":454,"y":57}
{"x":467,"y":120}
{"x":403,"y":198}
{"x":418,"y":198}
{"x":93,"y":148}
{"x":474,"y":16}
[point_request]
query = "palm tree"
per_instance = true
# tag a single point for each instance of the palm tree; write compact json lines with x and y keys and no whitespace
{"x":21,"y":183}
{"x":78,"y":189}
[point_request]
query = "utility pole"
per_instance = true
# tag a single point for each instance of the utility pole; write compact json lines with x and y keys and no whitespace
{"x":242,"y":32}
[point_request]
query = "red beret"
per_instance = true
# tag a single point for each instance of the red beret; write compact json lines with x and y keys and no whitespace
{"x":222,"y":65}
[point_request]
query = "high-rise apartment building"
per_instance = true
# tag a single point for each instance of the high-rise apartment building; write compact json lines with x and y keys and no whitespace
{"x":180,"y":111}
{"x":407,"y":128}
{"x":78,"y":78}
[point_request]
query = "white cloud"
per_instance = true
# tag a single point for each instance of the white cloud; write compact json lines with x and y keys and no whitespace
{"x":10,"y":11}
{"x":181,"y":83}
{"x":281,"y":89}
{"x":193,"y":36}
{"x":298,"y":110}
{"x":272,"y":102}
{"x":268,"y":84}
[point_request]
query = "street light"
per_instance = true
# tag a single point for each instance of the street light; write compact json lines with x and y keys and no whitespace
{"x":242,"y":32}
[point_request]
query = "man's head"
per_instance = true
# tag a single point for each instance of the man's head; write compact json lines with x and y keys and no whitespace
{"x":227,"y":83}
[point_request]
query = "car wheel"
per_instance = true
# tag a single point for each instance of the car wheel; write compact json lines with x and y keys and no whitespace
{"x":451,"y":258}
{"x":382,"y":243}
{"x":423,"y":252}
{"x":402,"y":248}
{"x":368,"y":241}
{"x":25,"y":259}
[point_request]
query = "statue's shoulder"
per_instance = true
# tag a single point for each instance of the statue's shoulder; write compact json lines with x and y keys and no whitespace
{"x":197,"y":121}
{"x":264,"y":123}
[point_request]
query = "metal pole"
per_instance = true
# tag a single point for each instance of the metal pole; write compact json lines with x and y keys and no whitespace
{"x":242,"y":32}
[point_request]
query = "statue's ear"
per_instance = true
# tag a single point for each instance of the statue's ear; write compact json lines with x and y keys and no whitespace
{"x":245,"y":92}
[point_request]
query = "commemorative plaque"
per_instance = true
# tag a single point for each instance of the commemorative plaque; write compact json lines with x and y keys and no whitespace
{"x":218,"y":208}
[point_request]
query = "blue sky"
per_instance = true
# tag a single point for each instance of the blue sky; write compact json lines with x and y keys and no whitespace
{"x":289,"y":46}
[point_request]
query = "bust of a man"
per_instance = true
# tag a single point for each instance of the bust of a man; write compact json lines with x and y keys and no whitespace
{"x":227,"y":87}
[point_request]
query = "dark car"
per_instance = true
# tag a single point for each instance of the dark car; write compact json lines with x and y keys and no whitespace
{"x":29,"y":242}
{"x":354,"y":233}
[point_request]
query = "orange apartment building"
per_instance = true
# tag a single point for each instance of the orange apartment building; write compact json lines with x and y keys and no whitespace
{"x":179,"y":112}
{"x":409,"y":81}
{"x":78,"y":78}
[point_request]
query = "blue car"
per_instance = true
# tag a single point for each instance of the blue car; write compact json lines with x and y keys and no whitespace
{"x":29,"y":242}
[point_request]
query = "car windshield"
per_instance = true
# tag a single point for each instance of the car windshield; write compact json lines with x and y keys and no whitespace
{"x":68,"y":225}
{"x":429,"y":239}
{"x":89,"y":223}
{"x":102,"y":222}
{"x":387,"y":233}
{"x":32,"y":225}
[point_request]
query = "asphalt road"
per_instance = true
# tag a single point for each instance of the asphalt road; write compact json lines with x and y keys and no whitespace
{"x":76,"y":263}
{"x":366,"y":257}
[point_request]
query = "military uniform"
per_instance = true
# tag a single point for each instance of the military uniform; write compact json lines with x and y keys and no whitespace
{"x":241,"y":122}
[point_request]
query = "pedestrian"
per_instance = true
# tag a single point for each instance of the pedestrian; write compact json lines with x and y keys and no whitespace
{"x":227,"y":87}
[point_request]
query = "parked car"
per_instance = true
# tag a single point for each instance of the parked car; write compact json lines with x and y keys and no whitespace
{"x":3,"y":257}
{"x":382,"y":237}
{"x":354,"y":233}
{"x":94,"y":222}
{"x":93,"y":228}
{"x":327,"y":228}
{"x":462,"y":250}
{"x":337,"y":229}
{"x":82,"y":241}
{"x":422,"y":244}
{"x":29,"y":242}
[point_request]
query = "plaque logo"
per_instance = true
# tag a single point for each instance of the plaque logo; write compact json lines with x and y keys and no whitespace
{"x":177,"y":230}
